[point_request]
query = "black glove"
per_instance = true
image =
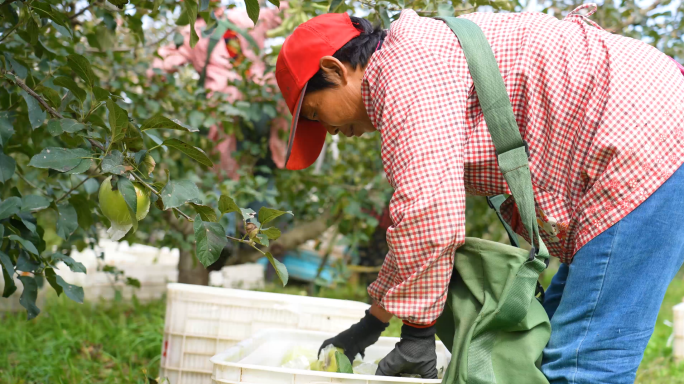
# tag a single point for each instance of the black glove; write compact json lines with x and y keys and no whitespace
{"x":413,"y":354}
{"x":356,"y":339}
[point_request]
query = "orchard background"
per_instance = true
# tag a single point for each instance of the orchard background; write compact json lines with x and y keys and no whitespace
{"x":78,"y":105}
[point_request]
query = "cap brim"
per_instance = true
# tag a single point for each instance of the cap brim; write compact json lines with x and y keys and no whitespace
{"x":306,"y":140}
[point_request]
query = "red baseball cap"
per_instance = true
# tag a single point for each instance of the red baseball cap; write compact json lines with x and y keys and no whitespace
{"x":298,"y":61}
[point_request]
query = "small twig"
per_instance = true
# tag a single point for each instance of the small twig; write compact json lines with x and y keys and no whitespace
{"x":9,"y":32}
{"x":82,"y":11}
{"x":71,"y":190}
{"x":151,"y":188}
{"x":238,"y":240}
{"x":21,"y":176}
{"x":45,"y":105}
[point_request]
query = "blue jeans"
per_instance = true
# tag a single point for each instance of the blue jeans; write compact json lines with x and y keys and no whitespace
{"x":603,"y":306}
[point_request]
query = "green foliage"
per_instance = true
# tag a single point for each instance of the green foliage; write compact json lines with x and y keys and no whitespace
{"x":74,"y":109}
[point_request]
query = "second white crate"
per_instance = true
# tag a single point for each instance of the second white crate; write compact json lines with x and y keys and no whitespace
{"x":678,"y":320}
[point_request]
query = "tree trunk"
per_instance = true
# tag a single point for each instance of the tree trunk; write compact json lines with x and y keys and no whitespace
{"x":190,"y":270}
{"x":289,"y":240}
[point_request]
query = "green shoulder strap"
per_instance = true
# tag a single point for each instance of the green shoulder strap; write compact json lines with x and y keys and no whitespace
{"x":495,"y":204}
{"x":511,"y":149}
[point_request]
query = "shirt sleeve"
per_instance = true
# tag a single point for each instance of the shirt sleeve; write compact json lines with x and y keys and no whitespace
{"x":418,"y":104}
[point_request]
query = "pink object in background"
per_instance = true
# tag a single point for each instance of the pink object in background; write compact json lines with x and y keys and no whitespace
{"x":220,"y":72}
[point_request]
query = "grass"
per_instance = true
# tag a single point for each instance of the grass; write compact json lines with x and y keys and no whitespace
{"x":120,"y":342}
{"x":73,"y":343}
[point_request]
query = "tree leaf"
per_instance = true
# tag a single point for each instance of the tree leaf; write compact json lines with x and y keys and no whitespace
{"x":205,"y":212}
{"x":29,"y":296}
{"x":74,"y":265}
{"x":147,"y":165}
{"x":113,"y":163}
{"x":51,"y":277}
{"x":6,"y":131}
{"x":27,"y":245}
{"x":73,"y":292}
{"x":45,"y":10}
{"x":267,"y":214}
{"x":83,"y":209}
{"x":133,"y":282}
{"x":81,"y":66}
{"x":51,"y":96}
{"x":190,"y":7}
{"x":384,"y":17}
{"x":252,"y":10}
{"x":7,"y":274}
{"x":71,"y":125}
{"x":71,"y":85}
{"x":33,"y":203}
{"x":25,"y":264}
{"x":210,"y":239}
{"x":192,"y":152}
{"x":7,"y":167}
{"x":27,"y":223}
{"x":35,"y":113}
{"x":100,"y":94}
{"x":343,"y":364}
{"x":18,"y":68}
{"x":118,"y":121}
{"x":121,"y":4}
{"x":10,"y":287}
{"x":9,"y":207}
{"x":67,"y":220}
{"x":262,"y":239}
{"x":161,"y":122}
{"x":272,"y":233}
{"x":204,"y":5}
{"x":128,"y":192}
{"x":227,"y":205}
{"x":249,"y":216}
{"x":179,"y":192}
{"x":279,"y":267}
{"x":54,"y":127}
{"x":80,"y":168}
{"x":59,"y":159}
{"x":333,"y":5}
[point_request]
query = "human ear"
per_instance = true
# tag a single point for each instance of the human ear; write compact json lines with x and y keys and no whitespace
{"x":334,"y":70}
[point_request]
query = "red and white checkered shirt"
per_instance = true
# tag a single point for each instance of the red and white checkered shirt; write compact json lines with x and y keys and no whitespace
{"x":603,"y":116}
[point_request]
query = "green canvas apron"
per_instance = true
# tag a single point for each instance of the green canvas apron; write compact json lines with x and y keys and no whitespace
{"x":493,"y":322}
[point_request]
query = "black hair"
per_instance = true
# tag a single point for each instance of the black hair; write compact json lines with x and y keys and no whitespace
{"x":356,"y":52}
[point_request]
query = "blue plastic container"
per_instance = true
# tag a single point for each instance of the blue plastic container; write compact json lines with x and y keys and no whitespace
{"x":303,"y":265}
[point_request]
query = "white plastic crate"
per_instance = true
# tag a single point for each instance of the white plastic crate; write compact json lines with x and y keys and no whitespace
{"x":201,"y":321}
{"x":244,"y":276}
{"x":258,"y":361}
{"x":152,"y":267}
{"x":678,"y":344}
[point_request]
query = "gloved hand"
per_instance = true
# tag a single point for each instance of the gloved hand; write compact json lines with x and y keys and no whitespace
{"x":358,"y":337}
{"x":413,"y":354}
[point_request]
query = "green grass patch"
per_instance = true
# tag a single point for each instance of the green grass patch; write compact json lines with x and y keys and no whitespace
{"x":121,"y":342}
{"x":82,"y":343}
